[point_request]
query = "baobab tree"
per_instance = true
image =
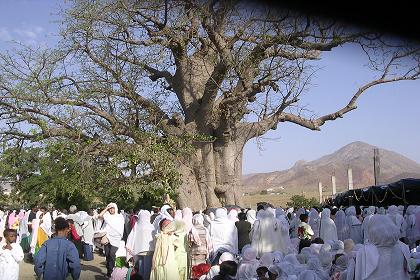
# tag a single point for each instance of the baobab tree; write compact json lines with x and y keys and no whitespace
{"x":218,"y":73}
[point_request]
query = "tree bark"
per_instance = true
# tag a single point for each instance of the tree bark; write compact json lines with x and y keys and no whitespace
{"x":213,"y":176}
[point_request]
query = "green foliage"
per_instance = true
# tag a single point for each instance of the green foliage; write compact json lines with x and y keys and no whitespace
{"x":263,"y":192}
{"x":62,"y":173}
{"x":298,"y":201}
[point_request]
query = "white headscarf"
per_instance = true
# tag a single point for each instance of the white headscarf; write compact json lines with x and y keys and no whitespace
{"x":187,"y":218}
{"x":233,"y":215}
{"x":314,"y":221}
{"x":354,"y":224}
{"x":141,"y":237}
{"x":263,"y":234}
{"x":223,"y":232}
{"x":251,"y":216}
{"x":163,"y":214}
{"x":340,"y":221}
{"x":327,"y":228}
{"x":382,"y":233}
{"x":248,"y":266}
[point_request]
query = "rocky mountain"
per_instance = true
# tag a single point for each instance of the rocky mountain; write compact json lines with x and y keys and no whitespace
{"x":304,"y":176}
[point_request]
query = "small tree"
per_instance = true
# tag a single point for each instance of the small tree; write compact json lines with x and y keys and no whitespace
{"x":297,"y":201}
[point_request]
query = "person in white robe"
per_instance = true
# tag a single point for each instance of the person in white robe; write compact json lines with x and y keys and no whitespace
{"x":355,"y":226}
{"x":114,"y":229}
{"x":11,"y":254}
{"x":223,"y":233}
{"x":263,"y":235}
{"x":87,"y":227}
{"x":294,"y":224}
{"x":385,"y":257}
{"x":187,"y":218}
{"x":398,"y":219}
{"x":401,"y":210}
{"x":283,"y":237}
{"x":314,"y":222}
{"x":340,"y":221}
{"x":141,"y":244}
{"x":251,"y":216}
{"x":233,"y":215}
{"x":327,"y":228}
{"x":412,"y":232}
{"x":247,"y":269}
{"x":370,"y":211}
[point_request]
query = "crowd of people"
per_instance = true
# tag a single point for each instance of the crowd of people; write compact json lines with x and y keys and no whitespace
{"x":353,"y":243}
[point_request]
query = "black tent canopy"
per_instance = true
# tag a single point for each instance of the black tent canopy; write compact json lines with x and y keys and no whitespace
{"x":403,"y":192}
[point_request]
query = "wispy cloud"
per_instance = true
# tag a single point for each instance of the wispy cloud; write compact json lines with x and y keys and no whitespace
{"x":5,"y":34}
{"x":29,"y":33}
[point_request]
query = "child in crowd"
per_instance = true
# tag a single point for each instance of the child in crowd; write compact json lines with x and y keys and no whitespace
{"x":10,"y":255}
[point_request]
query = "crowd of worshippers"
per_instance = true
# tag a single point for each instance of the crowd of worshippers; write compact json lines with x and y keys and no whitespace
{"x":217,"y":244}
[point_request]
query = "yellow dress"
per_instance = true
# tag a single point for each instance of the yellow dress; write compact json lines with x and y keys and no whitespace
{"x":165,"y":266}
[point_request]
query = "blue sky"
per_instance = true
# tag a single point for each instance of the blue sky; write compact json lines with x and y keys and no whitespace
{"x":388,"y":116}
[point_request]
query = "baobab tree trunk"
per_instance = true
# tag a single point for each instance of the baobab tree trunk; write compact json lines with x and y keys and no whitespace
{"x":213,"y":176}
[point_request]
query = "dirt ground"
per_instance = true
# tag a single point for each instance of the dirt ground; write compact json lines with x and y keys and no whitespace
{"x":90,"y":269}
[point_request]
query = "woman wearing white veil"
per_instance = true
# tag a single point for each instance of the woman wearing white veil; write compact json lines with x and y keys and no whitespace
{"x":314,"y":222}
{"x":263,"y":234}
{"x":327,"y":228}
{"x":283,"y":238}
{"x":141,"y":244}
{"x":251,"y":216}
{"x":385,"y":258}
{"x":340,"y":221}
{"x":355,"y":226}
{"x":370,"y":211}
{"x":223,"y":232}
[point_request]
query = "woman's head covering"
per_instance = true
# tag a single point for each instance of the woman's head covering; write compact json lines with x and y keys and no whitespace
{"x":392,"y":210}
{"x":251,"y":216}
{"x":221,"y":214}
{"x":164,"y":212}
{"x":226,"y":256}
{"x":382,"y":231}
{"x":249,"y":254}
{"x":380,"y":211}
{"x":351,"y":211}
{"x":113,"y":205}
{"x":198,"y":219}
{"x":233,"y":215}
{"x":187,"y":218}
{"x":337,"y":247}
{"x":325,"y":248}
{"x":401,"y":209}
{"x":313,"y":215}
{"x":280,"y":212}
{"x":370,"y":210}
{"x":325,"y":258}
{"x":325,"y":214}
{"x":277,"y":257}
{"x":266,"y":259}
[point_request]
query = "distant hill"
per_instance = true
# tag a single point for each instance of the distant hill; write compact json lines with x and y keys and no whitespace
{"x":304,"y":176}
